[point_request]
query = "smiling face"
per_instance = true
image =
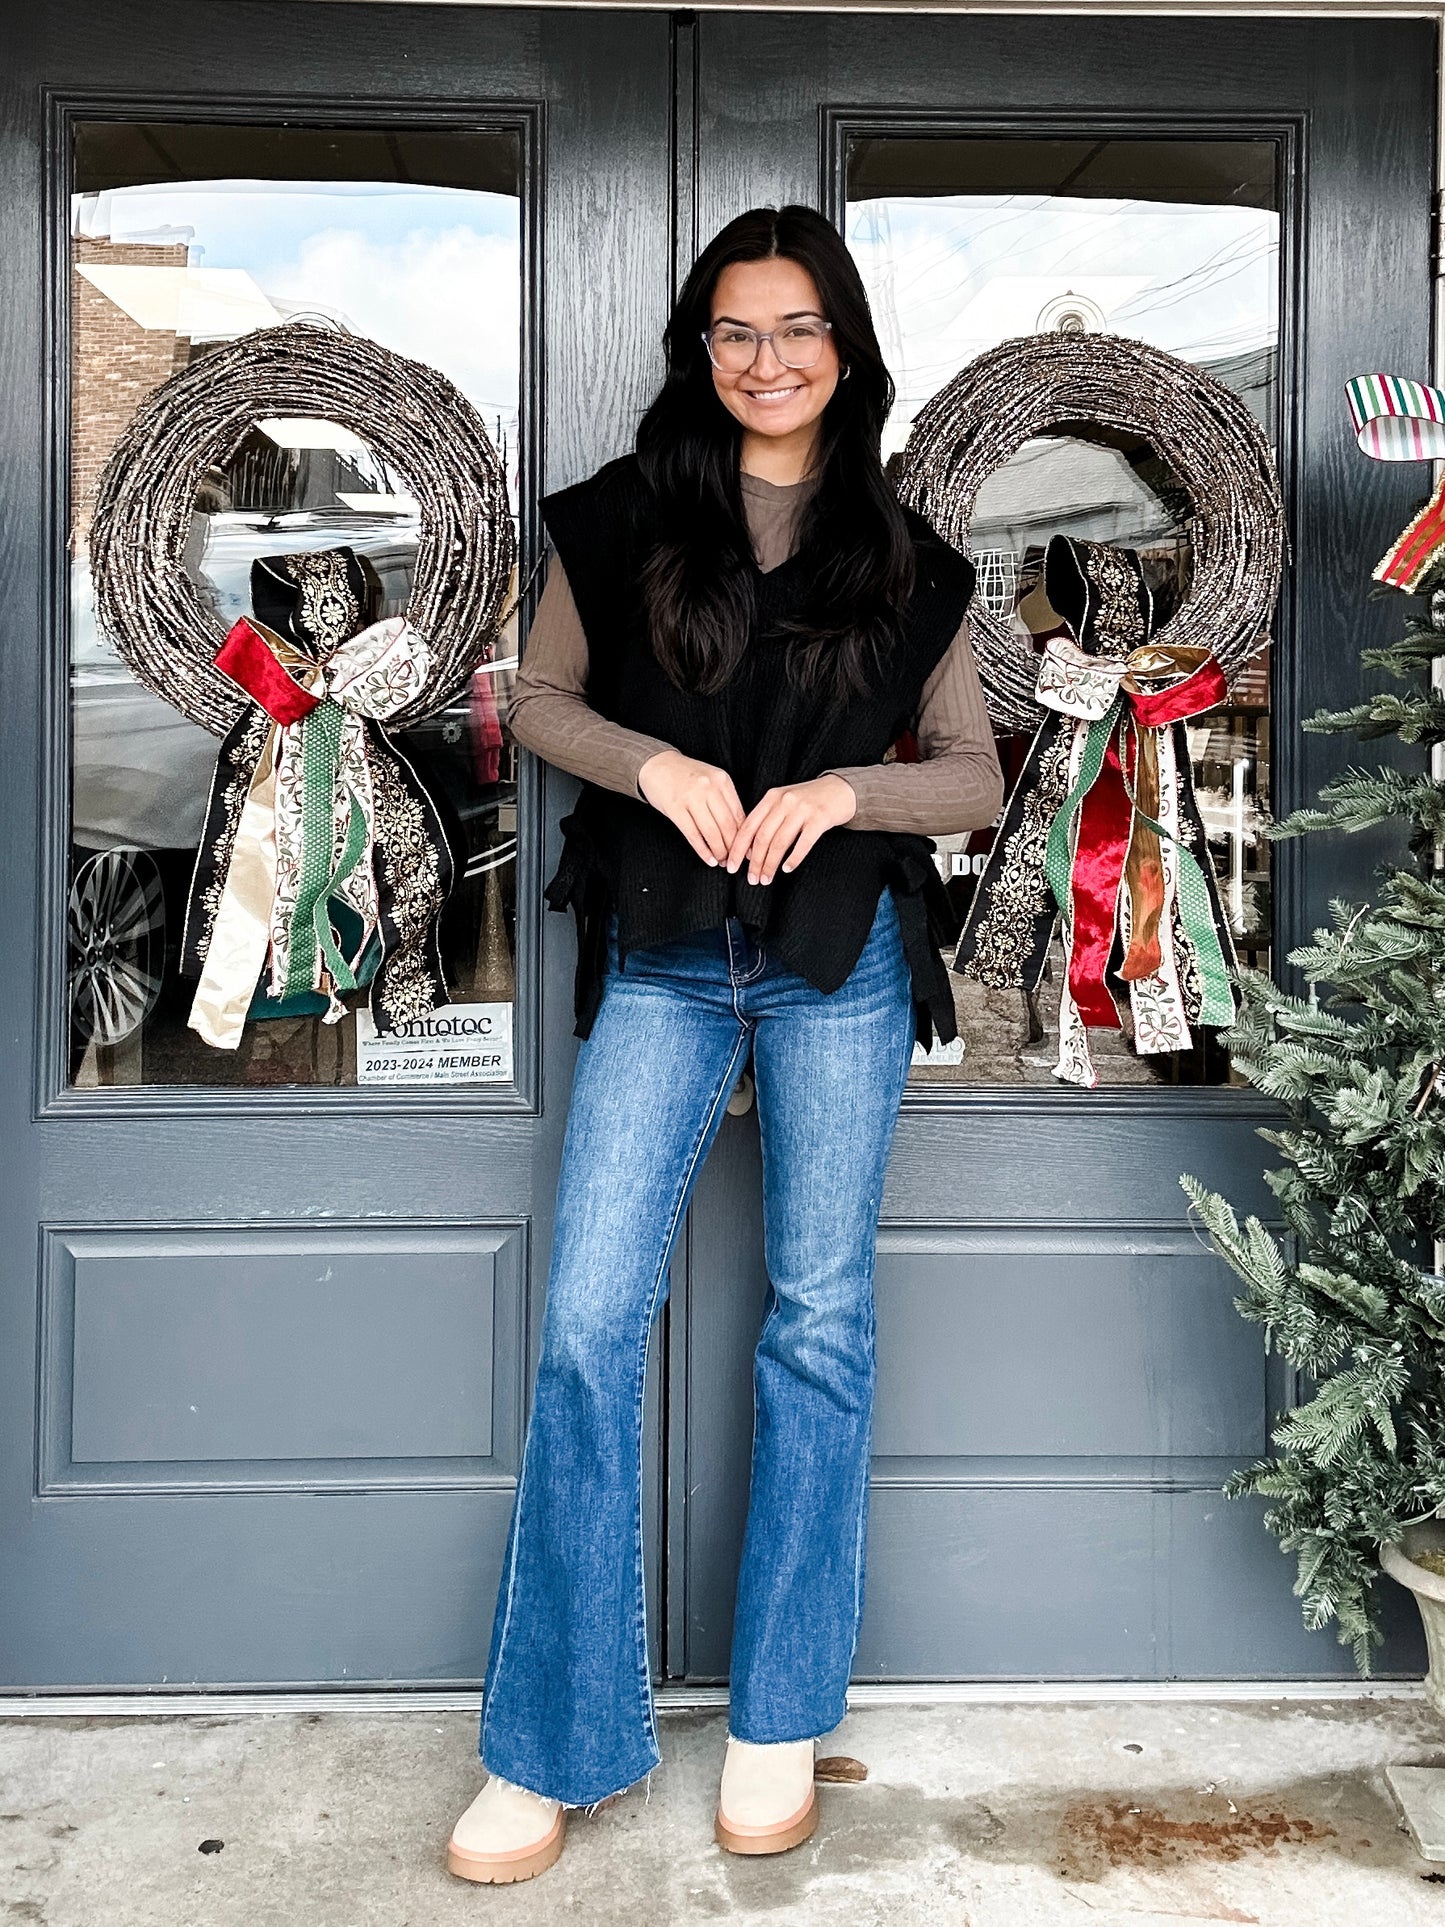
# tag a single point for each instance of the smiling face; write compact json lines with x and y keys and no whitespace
{"x":769,"y":399}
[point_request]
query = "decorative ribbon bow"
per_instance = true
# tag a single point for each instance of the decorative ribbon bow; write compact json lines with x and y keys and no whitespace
{"x":1404,"y":421}
{"x":308,"y":823}
{"x":1115,"y":861}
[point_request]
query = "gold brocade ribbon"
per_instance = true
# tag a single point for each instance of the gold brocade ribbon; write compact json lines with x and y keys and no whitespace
{"x":307,"y":824}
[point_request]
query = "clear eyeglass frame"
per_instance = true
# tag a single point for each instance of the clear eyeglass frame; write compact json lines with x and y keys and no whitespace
{"x":804,"y":350}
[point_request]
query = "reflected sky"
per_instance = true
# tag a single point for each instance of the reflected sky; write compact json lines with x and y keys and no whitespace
{"x":431,"y":271}
{"x":950,"y":276}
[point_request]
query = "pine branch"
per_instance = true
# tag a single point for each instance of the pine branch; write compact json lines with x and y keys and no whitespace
{"x":1359,"y":799}
{"x":1410,"y":657}
{"x":1414,"y":719}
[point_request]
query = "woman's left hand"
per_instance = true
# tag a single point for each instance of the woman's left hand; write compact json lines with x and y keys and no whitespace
{"x":784,"y":824}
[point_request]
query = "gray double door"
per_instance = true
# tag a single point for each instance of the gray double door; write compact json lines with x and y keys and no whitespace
{"x":266,"y":1335}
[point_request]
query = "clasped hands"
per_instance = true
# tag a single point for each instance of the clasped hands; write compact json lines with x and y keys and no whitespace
{"x":777,"y":833}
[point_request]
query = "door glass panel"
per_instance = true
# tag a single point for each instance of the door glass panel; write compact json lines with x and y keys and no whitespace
{"x":964,"y":243}
{"x":184,"y":237}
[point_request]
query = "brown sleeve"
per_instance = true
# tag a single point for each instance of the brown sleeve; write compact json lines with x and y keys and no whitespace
{"x":550,"y":714}
{"x":958,"y":785}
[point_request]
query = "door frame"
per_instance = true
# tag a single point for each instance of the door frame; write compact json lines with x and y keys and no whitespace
{"x":63,"y":108}
{"x":1289,"y":134}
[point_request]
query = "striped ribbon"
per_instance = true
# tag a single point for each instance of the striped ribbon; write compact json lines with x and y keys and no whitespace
{"x":1404,"y":421}
{"x":1397,"y":420}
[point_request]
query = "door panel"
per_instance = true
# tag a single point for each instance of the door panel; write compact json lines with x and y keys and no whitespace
{"x":1063,"y":1382}
{"x":265,"y":1348}
{"x":324,"y":1361}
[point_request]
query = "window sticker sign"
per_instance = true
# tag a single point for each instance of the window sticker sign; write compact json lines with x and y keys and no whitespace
{"x":950,"y":1053}
{"x":454,"y":1044}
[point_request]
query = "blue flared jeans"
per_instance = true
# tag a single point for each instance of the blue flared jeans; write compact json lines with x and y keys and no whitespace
{"x":568,"y":1708}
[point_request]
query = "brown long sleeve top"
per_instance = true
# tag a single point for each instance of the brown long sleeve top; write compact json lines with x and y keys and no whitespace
{"x":957,"y":785}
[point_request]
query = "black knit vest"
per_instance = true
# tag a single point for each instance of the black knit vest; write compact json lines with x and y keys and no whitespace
{"x":620,"y":854}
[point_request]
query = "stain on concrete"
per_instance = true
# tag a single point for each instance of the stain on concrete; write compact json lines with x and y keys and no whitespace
{"x":1096,"y":1836}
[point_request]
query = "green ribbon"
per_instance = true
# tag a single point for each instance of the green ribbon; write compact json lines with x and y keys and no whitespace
{"x":311,"y":936}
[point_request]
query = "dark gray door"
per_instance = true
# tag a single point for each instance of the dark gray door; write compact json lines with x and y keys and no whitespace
{"x":1063,"y":1380}
{"x":263,"y":1316}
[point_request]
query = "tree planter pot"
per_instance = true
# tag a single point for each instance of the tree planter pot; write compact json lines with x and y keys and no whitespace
{"x":1399,"y":1560}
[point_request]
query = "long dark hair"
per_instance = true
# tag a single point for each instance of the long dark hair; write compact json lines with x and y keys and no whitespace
{"x":698,"y":587}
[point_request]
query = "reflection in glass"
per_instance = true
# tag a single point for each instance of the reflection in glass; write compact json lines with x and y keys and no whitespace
{"x":964,"y":243}
{"x":183,"y":238}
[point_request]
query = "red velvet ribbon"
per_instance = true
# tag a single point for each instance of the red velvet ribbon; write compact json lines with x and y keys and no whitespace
{"x":1106,"y":819}
{"x":248,"y":659}
{"x":1205,"y":688}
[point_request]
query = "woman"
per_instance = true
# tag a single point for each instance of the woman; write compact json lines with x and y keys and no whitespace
{"x":739,"y":622}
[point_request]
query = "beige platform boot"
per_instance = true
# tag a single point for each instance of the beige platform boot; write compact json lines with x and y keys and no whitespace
{"x":506,"y":1834}
{"x":767,"y":1802}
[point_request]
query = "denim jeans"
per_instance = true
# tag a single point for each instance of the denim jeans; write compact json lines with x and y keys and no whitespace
{"x":568,"y":1706}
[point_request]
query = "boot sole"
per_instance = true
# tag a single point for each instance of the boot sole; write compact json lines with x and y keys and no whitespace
{"x":501,"y":1869}
{"x":791,"y":1833}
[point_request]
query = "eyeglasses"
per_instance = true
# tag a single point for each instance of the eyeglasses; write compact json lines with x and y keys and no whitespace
{"x":734,"y":348}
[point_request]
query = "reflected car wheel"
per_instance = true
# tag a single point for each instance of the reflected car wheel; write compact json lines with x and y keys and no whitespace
{"x":116,"y":938}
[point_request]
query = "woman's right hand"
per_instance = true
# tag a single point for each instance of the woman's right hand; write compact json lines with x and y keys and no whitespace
{"x":698,"y":797}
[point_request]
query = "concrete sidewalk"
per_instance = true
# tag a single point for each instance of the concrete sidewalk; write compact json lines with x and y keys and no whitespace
{"x":1108,"y":1815}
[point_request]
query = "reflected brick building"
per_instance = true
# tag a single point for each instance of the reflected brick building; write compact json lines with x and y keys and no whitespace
{"x":115,"y":361}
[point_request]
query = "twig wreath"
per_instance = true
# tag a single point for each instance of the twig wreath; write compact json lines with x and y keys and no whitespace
{"x":1053,"y":383}
{"x":324,"y":860}
{"x":411,"y":416}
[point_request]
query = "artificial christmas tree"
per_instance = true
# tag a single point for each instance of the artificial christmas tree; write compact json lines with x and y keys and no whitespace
{"x":1352,"y":1296}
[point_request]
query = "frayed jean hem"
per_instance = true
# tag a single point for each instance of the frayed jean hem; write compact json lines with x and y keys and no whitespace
{"x":571,"y":1800}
